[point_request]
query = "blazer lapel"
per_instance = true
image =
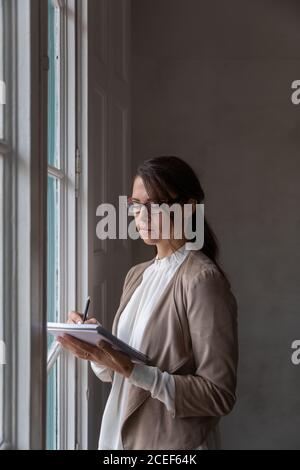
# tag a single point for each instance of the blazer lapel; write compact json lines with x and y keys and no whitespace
{"x":127,"y":296}
{"x":137,"y":395}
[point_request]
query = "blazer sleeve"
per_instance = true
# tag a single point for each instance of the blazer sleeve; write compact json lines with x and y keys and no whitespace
{"x":211,"y":311}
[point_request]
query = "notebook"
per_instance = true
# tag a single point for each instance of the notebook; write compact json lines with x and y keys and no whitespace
{"x":92,"y":334}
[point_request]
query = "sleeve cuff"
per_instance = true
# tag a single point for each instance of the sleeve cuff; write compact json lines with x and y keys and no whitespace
{"x":142,"y":376}
{"x":102,"y":372}
{"x":160,"y":384}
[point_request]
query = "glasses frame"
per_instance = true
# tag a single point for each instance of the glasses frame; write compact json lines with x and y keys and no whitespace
{"x":150,"y":203}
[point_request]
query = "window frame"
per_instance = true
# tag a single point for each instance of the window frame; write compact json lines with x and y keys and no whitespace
{"x":67,"y":370}
{"x":6,"y":275}
{"x":83,"y":207}
{"x":25,"y":427}
{"x":26,"y":271}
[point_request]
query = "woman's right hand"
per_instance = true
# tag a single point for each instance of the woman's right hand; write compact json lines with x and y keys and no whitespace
{"x":77,"y":318}
{"x":101,"y":354}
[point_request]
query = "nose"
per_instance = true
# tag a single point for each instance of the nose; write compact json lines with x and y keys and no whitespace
{"x":143,"y":218}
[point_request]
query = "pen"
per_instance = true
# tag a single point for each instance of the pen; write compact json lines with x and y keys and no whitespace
{"x":87,"y":304}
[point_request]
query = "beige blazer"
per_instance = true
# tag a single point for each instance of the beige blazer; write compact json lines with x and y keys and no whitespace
{"x":192,"y":334}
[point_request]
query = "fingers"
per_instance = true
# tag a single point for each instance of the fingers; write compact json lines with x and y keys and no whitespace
{"x":74,"y":317}
{"x":106,"y":347}
{"x":108,"y":351}
{"x":114,"y":354}
{"x":102,"y":344}
{"x":84,"y":350}
{"x":76,"y":348}
{"x":116,"y":360}
{"x":77,"y":343}
{"x":77,"y":318}
{"x":65,"y":344}
{"x":93,"y":321}
{"x":103,"y":353}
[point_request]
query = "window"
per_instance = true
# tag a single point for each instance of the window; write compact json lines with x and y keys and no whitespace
{"x":54,"y":218}
{"x":26,"y":217}
{"x":4,"y":227}
{"x":61,"y":220}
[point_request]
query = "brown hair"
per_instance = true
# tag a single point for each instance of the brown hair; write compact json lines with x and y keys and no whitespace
{"x":169,"y":177}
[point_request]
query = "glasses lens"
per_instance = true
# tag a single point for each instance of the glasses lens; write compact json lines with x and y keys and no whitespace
{"x":133,"y":208}
{"x":155,"y":209}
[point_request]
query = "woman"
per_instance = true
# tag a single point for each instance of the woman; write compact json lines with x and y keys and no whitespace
{"x":179,"y":309}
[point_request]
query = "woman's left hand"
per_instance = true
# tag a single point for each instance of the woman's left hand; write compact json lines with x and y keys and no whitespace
{"x":103,"y":353}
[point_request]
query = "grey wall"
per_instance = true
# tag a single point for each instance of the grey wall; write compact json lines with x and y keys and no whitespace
{"x":212,"y":84}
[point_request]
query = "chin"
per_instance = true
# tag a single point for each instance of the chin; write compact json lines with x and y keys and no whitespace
{"x":149,"y":240}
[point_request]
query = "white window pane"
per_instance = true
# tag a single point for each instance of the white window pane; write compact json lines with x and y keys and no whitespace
{"x":54,"y":268}
{"x":52,"y":408}
{"x":53,"y":252}
{"x":53,"y":303}
{"x":54,"y":86}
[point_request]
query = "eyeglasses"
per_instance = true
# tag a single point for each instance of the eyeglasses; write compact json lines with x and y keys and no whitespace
{"x":153,"y":207}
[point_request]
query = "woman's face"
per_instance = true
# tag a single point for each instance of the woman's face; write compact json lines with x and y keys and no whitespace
{"x":150,"y":228}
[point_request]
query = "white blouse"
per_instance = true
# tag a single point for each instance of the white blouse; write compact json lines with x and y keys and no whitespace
{"x":131,"y":326}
